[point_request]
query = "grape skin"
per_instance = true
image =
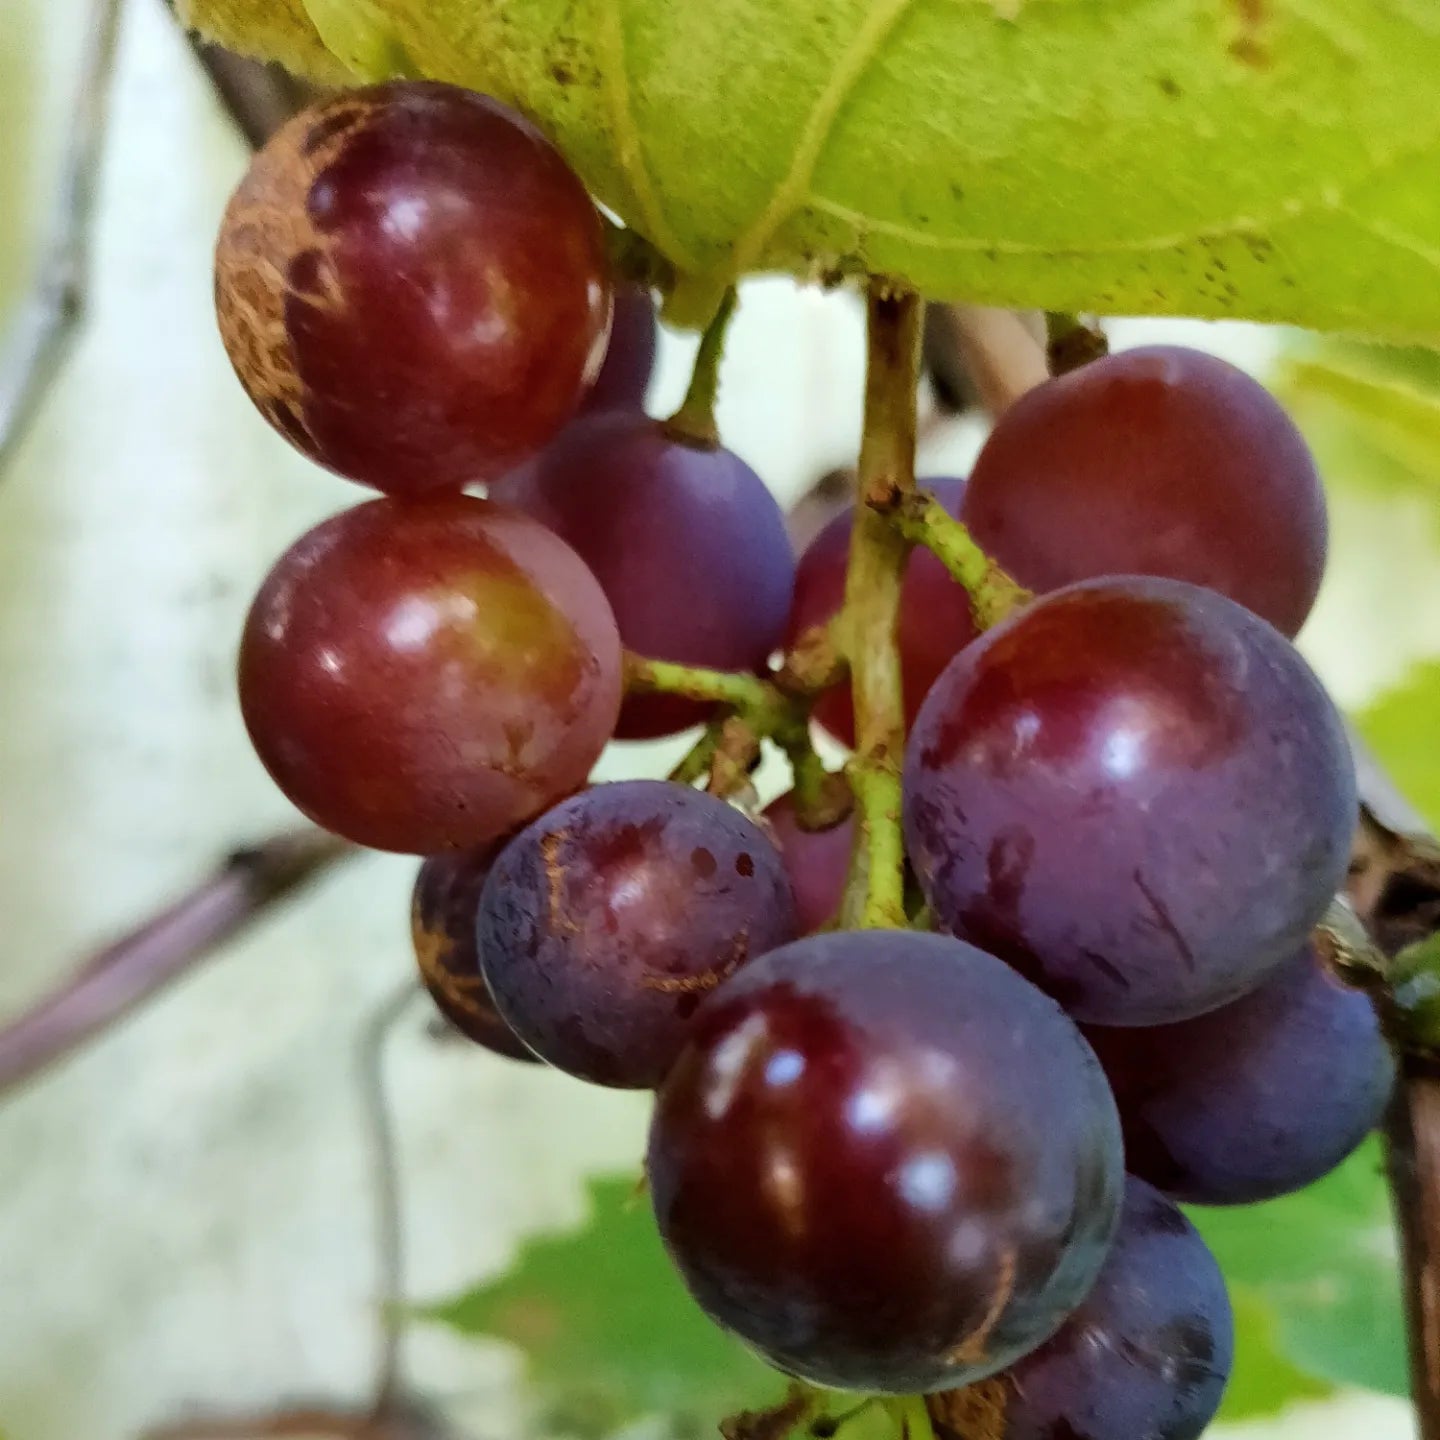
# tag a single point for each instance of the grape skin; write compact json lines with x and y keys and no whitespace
{"x":686,"y":541}
{"x":1156,"y":461}
{"x":1255,"y":1100}
{"x":604,"y":924}
{"x":817,"y":862}
{"x":1134,"y":791}
{"x":412,"y":286}
{"x":885,"y":1162}
{"x":624,"y":378}
{"x":936,"y":619}
{"x":428,"y":676}
{"x":1145,"y":1357}
{"x":443,"y":907}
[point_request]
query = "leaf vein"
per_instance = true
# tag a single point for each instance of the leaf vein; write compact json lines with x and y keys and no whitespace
{"x":789,"y":194}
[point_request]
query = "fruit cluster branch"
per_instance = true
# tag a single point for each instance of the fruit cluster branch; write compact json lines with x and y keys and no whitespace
{"x":875,"y":895}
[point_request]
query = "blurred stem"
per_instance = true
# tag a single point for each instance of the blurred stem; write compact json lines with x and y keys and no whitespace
{"x":694,"y":421}
{"x":1071,"y":342}
{"x":875,"y":892}
{"x":128,"y":972}
{"x":994,"y":595}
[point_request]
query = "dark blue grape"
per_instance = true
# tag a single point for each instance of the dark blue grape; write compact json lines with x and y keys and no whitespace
{"x":1145,"y":1357}
{"x":1256,"y":1099}
{"x":604,"y":924}
{"x":687,"y":543}
{"x":1137,"y":793}
{"x":885,"y":1161}
{"x":443,"y":909}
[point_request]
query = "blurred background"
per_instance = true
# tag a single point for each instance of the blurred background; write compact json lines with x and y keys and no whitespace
{"x":188,"y":1209}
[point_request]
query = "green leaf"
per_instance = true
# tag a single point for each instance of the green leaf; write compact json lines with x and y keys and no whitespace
{"x":608,"y":1331}
{"x":1210,"y":157}
{"x":1323,"y":1263}
{"x":1401,"y":726}
{"x":1263,"y":1381}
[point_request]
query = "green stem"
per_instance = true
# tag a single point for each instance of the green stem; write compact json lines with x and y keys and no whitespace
{"x":694,"y":421}
{"x":923,"y":519}
{"x":875,"y":893}
{"x":748,"y":694}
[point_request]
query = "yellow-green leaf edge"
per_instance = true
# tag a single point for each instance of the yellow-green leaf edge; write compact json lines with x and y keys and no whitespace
{"x":1265,"y":159}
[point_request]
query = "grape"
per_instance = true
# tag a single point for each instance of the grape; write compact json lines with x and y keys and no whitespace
{"x":1137,"y":793}
{"x":817,"y":862}
{"x":1254,"y":1100}
{"x":885,"y":1161}
{"x":1157,"y":461}
{"x":1145,"y":1357}
{"x":442,"y":925}
{"x":428,"y":676}
{"x":630,"y":359}
{"x":688,"y":544}
{"x":935,"y":615}
{"x":412,"y":286}
{"x":604,"y":924}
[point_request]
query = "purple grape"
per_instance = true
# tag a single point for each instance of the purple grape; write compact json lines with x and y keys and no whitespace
{"x":630,"y":359}
{"x":1137,"y":793}
{"x":1256,"y":1099}
{"x":817,"y":862}
{"x":1145,"y":1357}
{"x":935,"y":615}
{"x":885,"y":1161}
{"x":443,"y":908}
{"x":1157,"y":461}
{"x":686,"y":541}
{"x":604,"y":924}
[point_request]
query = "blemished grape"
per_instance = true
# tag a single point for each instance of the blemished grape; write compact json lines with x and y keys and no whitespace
{"x":630,"y":357}
{"x":428,"y":676}
{"x":688,"y":544}
{"x":1156,"y":461}
{"x":1254,"y":1100}
{"x":412,"y":286}
{"x":817,"y":862}
{"x":1134,"y":791}
{"x":443,"y":909}
{"x":604,"y":924}
{"x":1145,"y":1357}
{"x":885,"y":1161}
{"x":935,"y":615}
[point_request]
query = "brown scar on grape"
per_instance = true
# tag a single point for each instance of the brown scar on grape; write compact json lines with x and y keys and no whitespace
{"x":268,"y":243}
{"x":556,"y":913}
{"x":706,"y":980}
{"x":975,"y":1413}
{"x":971,"y":1350}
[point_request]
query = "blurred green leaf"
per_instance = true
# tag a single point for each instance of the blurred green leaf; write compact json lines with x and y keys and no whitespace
{"x":1264,"y":1381}
{"x":1323,"y":1263}
{"x":1401,"y":726}
{"x":608,"y":1331}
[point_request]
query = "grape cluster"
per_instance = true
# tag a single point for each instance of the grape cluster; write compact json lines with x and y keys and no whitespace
{"x":889,"y":1160}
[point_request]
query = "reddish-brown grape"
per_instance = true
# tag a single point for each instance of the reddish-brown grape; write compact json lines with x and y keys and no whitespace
{"x":1137,"y":793}
{"x":630,"y":357}
{"x":412,"y":286}
{"x":1145,"y":1357}
{"x":885,"y":1161}
{"x":443,"y":909}
{"x":817,"y":862}
{"x":1254,"y":1100}
{"x":687,"y":542}
{"x":428,"y":676}
{"x":605,"y":923}
{"x":1156,"y":461}
{"x":935,"y":615}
